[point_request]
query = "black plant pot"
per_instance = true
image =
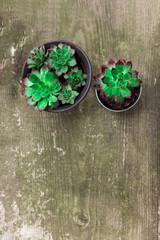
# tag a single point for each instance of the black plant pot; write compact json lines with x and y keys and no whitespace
{"x":82,"y":61}
{"x":128,"y":106}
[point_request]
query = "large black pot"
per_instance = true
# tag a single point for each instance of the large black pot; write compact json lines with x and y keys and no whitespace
{"x":82,"y":61}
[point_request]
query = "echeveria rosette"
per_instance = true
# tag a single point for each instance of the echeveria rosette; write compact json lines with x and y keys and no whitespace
{"x":116,"y":80}
{"x":41,"y":89}
{"x":61,"y":58}
{"x":75,"y":78}
{"x":67,"y":95}
{"x":37,"y":57}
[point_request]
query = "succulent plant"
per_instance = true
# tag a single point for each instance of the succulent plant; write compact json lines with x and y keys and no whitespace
{"x":37,"y":57}
{"x":61,"y":58}
{"x":116,"y":80}
{"x":75,"y":78}
{"x":67,"y":95}
{"x":41,"y":89}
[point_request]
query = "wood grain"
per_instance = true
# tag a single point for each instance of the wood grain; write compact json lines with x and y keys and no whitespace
{"x":86,"y":174}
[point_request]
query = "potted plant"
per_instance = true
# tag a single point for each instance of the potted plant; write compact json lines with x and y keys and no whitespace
{"x":56,"y":76}
{"x":118,"y":87}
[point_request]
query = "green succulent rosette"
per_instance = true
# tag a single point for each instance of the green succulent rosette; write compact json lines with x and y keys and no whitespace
{"x":60,"y":58}
{"x":37,"y":57}
{"x":76,"y":78}
{"x":67,"y":95}
{"x":42,"y":88}
{"x":116,"y":80}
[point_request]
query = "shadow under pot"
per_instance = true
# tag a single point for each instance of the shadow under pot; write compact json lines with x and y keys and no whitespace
{"x":117,"y":87}
{"x":65,"y":78}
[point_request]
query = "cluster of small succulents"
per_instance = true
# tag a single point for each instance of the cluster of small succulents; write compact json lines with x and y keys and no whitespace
{"x":116,"y":81}
{"x":55,"y":77}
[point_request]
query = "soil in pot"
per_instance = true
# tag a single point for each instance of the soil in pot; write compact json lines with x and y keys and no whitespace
{"x":128,"y":102}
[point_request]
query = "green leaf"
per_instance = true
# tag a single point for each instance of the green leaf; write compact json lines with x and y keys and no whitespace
{"x":107,"y":79}
{"x":111,"y":84}
{"x":36,"y":96}
{"x":75,"y":93}
{"x":34,"y":77}
{"x":72,"y":62}
{"x":59,"y":72}
{"x":125,"y":83}
{"x":52,"y":98}
{"x":42,"y":104}
{"x":107,"y":91}
{"x":126,"y":76}
{"x":67,"y":56}
{"x":119,"y":68}
{"x":66,"y":76}
{"x":35,"y":86}
{"x":71,"y":101}
{"x":31,"y":102}
{"x":64,"y":68}
{"x":115,"y":91}
{"x":133,"y":82}
{"x":27,"y":82}
{"x":127,"y":68}
{"x":125,"y":92}
{"x":29,"y":91}
{"x":44,"y":94}
{"x":48,"y":77}
{"x":108,"y":73}
{"x":72,"y":52}
{"x":114,"y":72}
{"x":64,"y":48}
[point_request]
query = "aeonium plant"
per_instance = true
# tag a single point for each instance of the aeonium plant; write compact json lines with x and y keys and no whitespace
{"x":116,"y":82}
{"x":53,"y":77}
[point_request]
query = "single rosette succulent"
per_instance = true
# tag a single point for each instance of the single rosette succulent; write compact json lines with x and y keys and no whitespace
{"x":41,"y":89}
{"x":67,"y":95}
{"x":61,"y":58}
{"x":76,"y":78}
{"x":116,"y":80}
{"x":37,"y":57}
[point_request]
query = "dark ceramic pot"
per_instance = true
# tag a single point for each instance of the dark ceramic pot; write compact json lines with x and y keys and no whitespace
{"x":82,"y":61}
{"x":131,"y":105}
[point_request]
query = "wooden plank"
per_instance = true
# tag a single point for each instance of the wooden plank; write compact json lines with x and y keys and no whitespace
{"x":87,"y":173}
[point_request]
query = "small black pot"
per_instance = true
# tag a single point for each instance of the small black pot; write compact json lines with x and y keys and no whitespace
{"x":83,"y":62}
{"x":100,"y":100}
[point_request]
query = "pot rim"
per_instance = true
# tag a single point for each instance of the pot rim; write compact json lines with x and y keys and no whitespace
{"x":89,"y":75}
{"x":123,"y":110}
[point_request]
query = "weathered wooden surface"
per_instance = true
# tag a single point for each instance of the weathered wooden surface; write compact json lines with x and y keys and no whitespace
{"x":86,"y":174}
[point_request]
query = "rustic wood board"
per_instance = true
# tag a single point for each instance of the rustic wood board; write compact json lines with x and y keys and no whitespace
{"x":86,"y":174}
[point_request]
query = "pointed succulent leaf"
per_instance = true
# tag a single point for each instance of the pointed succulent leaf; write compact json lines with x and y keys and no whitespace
{"x":133,"y":82}
{"x":116,"y":91}
{"x":27,"y":82}
{"x":72,"y":62}
{"x":52,"y":98}
{"x":33,"y":77}
{"x":36,"y":97}
{"x":42,"y":104}
{"x":127,"y":76}
{"x":125,"y":92}
{"x":29,"y":91}
{"x":64,"y":68}
{"x":31,"y":102}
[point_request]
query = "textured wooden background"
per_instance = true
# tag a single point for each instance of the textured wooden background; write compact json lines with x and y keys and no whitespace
{"x":86,"y":174}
